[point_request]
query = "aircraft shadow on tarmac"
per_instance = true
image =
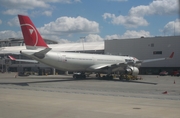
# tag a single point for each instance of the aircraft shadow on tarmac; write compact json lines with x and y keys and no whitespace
{"x":71,"y":79}
{"x":34,"y":82}
{"x":129,"y":81}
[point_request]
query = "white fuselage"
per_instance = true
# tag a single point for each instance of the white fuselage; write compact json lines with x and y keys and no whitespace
{"x":78,"y":61}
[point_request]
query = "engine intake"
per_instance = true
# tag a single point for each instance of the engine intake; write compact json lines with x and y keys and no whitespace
{"x":132,"y":70}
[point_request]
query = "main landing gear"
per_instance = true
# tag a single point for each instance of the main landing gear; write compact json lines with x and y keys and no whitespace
{"x":129,"y":77}
{"x":79,"y":76}
{"x":108,"y":77}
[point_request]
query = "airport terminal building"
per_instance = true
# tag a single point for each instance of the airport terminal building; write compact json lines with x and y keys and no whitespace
{"x":148,"y":48}
{"x":141,"y":48}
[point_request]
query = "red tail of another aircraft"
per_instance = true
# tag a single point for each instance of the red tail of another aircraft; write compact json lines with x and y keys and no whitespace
{"x":32,"y":38}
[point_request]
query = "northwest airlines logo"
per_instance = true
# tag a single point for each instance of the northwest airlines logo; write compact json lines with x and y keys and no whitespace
{"x":31,"y":30}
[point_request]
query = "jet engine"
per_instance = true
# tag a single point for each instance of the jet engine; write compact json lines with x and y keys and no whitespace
{"x":132,"y":70}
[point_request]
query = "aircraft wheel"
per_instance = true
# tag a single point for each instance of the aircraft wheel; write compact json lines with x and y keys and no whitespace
{"x":109,"y":77}
{"x":82,"y":76}
{"x":74,"y":76}
{"x":98,"y":75}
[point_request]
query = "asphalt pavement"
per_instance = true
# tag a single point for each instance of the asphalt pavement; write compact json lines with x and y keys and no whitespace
{"x":61,"y":96}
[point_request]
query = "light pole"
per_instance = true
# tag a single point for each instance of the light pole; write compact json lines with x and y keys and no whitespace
{"x":2,"y":62}
{"x":82,"y":41}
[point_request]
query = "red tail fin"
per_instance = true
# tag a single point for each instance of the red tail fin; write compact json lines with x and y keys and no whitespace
{"x":32,"y":38}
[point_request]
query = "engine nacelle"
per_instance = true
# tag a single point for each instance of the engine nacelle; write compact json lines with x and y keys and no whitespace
{"x":132,"y":70}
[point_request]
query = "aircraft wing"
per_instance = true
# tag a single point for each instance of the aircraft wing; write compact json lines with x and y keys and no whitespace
{"x":99,"y":66}
{"x":112,"y":66}
{"x":22,"y":60}
{"x":158,"y":59}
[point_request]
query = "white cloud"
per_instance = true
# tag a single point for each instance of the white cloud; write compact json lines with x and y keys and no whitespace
{"x":93,"y":38}
{"x":118,"y":0}
{"x":114,"y":36}
{"x":159,"y":7}
{"x":13,"y":22}
{"x":77,"y":0}
{"x":39,"y":12}
{"x":70,"y":25}
{"x":171,"y":28}
{"x":136,"y":34}
{"x":61,"y":1}
{"x":47,"y":13}
{"x":24,"y":4}
{"x":135,"y":17}
{"x":14,"y":11}
{"x":0,"y":21}
{"x":129,"y":34}
{"x":14,"y":7}
{"x":127,"y":21}
{"x":10,"y":34}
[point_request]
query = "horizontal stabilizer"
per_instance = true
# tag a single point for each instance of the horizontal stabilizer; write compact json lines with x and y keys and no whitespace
{"x":41,"y":54}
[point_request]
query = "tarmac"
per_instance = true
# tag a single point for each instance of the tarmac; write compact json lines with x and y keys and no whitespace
{"x":60,"y":96}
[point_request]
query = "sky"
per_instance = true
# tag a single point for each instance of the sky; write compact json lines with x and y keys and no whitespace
{"x":69,"y":21}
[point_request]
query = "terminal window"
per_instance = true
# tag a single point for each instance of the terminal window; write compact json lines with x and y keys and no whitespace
{"x":157,"y":52}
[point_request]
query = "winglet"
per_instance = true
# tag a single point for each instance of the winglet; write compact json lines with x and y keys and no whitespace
{"x":172,"y":54}
{"x":11,"y":57}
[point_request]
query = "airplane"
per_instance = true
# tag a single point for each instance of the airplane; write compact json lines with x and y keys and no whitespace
{"x":37,"y":49}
